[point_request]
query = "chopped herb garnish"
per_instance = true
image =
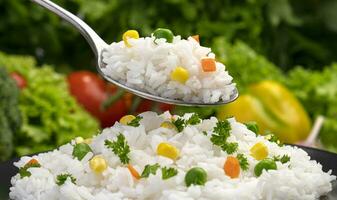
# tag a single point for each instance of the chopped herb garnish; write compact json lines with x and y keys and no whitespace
{"x":273,"y":138}
{"x":283,"y":159}
{"x":243,"y":161}
{"x":205,"y":133}
{"x":220,"y":136}
{"x":120,"y":147}
{"x":60,"y":179}
{"x":150,"y":169}
{"x":194,"y":119}
{"x":253,"y":127}
{"x":168,"y":172}
{"x":180,"y":124}
{"x":135,"y":121}
{"x":23,"y":171}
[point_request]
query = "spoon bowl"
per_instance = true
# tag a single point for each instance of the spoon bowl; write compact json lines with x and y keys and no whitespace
{"x":98,"y":46}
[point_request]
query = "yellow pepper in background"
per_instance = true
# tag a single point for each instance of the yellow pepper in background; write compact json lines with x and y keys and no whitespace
{"x":274,"y":108}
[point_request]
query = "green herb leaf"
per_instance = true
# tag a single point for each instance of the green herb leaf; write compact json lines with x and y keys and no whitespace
{"x":253,"y":127}
{"x":230,"y":147}
{"x":135,"y":121}
{"x":23,"y":171}
{"x":60,"y":179}
{"x":273,"y":138}
{"x":168,"y":172}
{"x":283,"y":159}
{"x":194,"y":119}
{"x":219,"y":138}
{"x":180,"y":124}
{"x":120,"y":147}
{"x":150,"y":169}
{"x":243,"y":161}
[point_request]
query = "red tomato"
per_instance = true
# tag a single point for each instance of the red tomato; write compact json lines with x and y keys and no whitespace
{"x":91,"y":92}
{"x":20,"y":81}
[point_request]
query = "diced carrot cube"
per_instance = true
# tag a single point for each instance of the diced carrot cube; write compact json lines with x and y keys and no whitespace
{"x":208,"y":64}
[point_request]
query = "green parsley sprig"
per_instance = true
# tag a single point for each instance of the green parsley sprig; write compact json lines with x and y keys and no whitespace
{"x":135,"y":121}
{"x":168,"y":172}
{"x":283,"y":159}
{"x":221,"y":132}
{"x":150,"y":169}
{"x":120,"y":147}
{"x":181,"y":123}
{"x":61,"y":179}
{"x":23,"y":171}
{"x":243,"y":161}
{"x":252,"y":126}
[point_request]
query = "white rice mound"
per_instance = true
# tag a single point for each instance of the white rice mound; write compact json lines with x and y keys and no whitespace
{"x":300,"y":178}
{"x":147,"y":66}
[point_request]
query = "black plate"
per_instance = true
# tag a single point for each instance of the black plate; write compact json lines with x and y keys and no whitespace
{"x":327,"y":159}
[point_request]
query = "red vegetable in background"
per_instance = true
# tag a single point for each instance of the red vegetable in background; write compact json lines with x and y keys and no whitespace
{"x":91,"y":92}
{"x":20,"y":80}
{"x":105,"y":101}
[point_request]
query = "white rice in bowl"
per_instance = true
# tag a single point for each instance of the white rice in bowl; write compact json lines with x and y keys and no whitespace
{"x":297,"y":178}
{"x":147,"y":65}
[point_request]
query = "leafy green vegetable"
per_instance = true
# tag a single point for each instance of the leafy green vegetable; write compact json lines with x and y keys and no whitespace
{"x":61,"y":179}
{"x":135,"y":121}
{"x":150,"y":169}
{"x":10,"y":116}
{"x":194,"y":119}
{"x":283,"y":159}
{"x":219,"y":137}
{"x":253,"y":127}
{"x":50,"y":115}
{"x":168,"y":172}
{"x":243,"y":161}
{"x":179,"y":123}
{"x":120,"y":147}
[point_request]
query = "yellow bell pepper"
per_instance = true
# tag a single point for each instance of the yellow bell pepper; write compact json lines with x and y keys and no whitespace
{"x":274,"y":108}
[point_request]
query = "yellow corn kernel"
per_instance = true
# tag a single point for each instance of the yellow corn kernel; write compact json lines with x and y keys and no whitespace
{"x":167,"y":150}
{"x":98,"y":164}
{"x":130,"y":34}
{"x":259,"y":151}
{"x":168,"y":125}
{"x":180,"y":74}
{"x":79,"y":140}
{"x":126,"y":119}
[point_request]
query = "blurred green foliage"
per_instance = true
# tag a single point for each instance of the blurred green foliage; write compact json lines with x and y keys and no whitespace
{"x":50,"y":115}
{"x":289,"y":33}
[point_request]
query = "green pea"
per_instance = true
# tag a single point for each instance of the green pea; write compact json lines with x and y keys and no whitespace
{"x":80,"y":150}
{"x":196,"y":176}
{"x":267,"y":164}
{"x":163,"y":33}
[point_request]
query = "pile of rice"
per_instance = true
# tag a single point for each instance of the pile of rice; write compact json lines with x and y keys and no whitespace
{"x":300,"y":178}
{"x":147,"y":65}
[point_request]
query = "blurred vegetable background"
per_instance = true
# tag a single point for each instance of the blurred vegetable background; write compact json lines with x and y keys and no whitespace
{"x":289,"y":43}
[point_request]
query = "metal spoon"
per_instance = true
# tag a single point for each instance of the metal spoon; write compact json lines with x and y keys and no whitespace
{"x":98,"y":46}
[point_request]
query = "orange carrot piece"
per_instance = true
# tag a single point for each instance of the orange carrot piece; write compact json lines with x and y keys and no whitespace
{"x":208,"y":64}
{"x":133,"y":172}
{"x":196,"y":37}
{"x":32,"y":162}
{"x":232,"y":167}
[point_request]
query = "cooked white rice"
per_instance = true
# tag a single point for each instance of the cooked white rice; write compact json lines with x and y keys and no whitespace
{"x":300,"y":178}
{"x":147,"y":66}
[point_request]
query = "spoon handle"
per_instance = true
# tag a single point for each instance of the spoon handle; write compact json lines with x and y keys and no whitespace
{"x":96,"y":43}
